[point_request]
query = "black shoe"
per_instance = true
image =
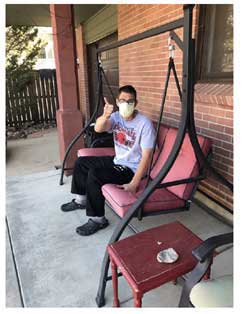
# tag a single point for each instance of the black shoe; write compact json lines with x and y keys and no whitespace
{"x":91,"y":227}
{"x":72,"y":206}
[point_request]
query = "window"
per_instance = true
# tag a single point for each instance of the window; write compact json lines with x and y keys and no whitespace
{"x":215,"y":43}
{"x":49,"y":52}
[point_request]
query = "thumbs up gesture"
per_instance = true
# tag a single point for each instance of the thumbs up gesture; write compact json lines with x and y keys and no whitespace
{"x":108,"y":109}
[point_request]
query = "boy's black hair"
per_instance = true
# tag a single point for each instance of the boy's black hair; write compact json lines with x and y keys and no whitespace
{"x":128,"y":89}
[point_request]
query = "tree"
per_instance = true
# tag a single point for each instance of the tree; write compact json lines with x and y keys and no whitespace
{"x":22,"y":49}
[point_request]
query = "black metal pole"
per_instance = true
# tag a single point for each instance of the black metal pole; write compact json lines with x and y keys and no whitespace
{"x":150,"y":33}
{"x":177,"y":39}
{"x":100,"y":300}
{"x":170,"y":66}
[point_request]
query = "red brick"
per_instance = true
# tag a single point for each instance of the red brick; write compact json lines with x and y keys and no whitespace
{"x":216,"y":127}
{"x":222,"y":151}
{"x":229,"y":131}
{"x":226,"y":122}
{"x":229,"y":114}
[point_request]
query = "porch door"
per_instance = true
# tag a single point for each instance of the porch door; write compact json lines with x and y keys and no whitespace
{"x":110,"y":65}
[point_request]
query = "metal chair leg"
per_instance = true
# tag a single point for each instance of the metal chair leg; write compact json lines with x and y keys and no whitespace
{"x":100,"y":299}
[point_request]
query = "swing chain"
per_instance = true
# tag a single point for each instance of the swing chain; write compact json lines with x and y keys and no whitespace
{"x":100,"y":60}
{"x":171,"y":47}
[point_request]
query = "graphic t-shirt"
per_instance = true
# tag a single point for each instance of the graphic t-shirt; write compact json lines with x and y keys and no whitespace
{"x":130,"y":137}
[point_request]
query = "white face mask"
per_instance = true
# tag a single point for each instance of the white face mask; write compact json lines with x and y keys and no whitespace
{"x":126,"y":110}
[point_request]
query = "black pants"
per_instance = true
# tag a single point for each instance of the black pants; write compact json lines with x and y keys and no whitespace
{"x":90,"y":174}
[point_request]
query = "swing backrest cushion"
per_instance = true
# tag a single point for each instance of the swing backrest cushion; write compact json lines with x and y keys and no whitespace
{"x":185,"y":165}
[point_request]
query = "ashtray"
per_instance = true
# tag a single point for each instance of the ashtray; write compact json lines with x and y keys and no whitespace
{"x":167,"y":256}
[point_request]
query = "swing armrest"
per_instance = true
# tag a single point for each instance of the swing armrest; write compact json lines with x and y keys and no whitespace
{"x":105,"y":141}
{"x":167,"y":184}
{"x":182,"y":181}
{"x":209,"y":245}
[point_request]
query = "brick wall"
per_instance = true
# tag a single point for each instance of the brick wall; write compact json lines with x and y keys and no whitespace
{"x":214,"y":119}
{"x":144,"y":63}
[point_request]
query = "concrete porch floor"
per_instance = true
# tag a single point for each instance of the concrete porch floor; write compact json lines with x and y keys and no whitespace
{"x":55,"y":267}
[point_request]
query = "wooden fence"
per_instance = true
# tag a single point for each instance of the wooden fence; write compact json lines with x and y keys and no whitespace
{"x":37,"y":102}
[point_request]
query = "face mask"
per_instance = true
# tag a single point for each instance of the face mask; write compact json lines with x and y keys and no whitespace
{"x":126,"y":110}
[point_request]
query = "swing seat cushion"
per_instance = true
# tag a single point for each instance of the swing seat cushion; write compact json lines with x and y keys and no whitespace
{"x":121,"y":201}
{"x":98,"y":151}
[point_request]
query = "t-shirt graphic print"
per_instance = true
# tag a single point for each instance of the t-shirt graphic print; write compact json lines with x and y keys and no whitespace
{"x":125,"y":137}
{"x":130,"y":137}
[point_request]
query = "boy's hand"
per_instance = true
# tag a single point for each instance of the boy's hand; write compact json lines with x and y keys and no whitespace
{"x":129,"y":187}
{"x":108,"y":109}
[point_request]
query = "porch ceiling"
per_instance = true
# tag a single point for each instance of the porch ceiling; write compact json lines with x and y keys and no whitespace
{"x":39,"y":14}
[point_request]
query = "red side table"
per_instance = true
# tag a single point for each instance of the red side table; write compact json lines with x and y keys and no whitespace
{"x":135,"y":257}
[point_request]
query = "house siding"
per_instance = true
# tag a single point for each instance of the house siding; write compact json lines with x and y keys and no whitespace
{"x":102,"y":24}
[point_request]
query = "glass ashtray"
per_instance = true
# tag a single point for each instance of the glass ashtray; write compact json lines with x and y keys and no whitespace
{"x":167,"y":256}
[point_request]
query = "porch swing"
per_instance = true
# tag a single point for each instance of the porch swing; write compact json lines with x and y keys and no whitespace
{"x":183,"y":156}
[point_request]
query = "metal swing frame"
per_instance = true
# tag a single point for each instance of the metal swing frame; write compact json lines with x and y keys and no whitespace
{"x":186,"y":123}
{"x":100,"y":74}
